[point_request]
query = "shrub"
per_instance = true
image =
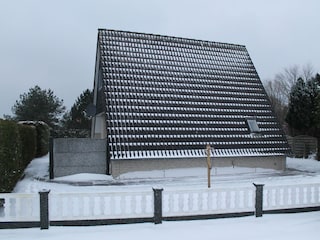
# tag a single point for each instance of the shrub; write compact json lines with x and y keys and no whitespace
{"x":70,"y":133}
{"x":10,"y":155}
{"x":28,"y":137}
{"x":19,"y":144}
{"x":43,"y":134}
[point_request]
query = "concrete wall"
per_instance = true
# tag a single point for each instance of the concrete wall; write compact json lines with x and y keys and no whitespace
{"x":159,"y":167}
{"x":77,"y":155}
{"x":83,"y":155}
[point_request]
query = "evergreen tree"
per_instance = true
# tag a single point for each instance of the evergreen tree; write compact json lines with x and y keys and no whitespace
{"x":303,"y":102}
{"x":316,"y":113}
{"x":279,"y":88}
{"x":77,"y":117}
{"x":39,"y":105}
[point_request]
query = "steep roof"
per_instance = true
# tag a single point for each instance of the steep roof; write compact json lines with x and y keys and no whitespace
{"x":170,"y":97}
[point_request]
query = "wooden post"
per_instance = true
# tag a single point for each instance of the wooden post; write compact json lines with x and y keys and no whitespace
{"x":209,"y":165}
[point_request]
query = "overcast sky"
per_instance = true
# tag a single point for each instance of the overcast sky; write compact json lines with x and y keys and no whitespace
{"x":53,"y":43}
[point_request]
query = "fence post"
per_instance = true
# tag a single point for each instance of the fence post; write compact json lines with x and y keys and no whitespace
{"x":157,"y":193}
{"x":2,"y":203}
{"x":44,"y":209}
{"x":51,"y":161}
{"x":259,"y":200}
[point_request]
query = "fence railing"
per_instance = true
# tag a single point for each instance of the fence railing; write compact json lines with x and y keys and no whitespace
{"x":17,"y":207}
{"x":111,"y":205}
{"x":208,"y":201}
{"x":16,"y":210}
{"x":291,"y":196}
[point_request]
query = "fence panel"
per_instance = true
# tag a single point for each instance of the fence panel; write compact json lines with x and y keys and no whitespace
{"x":93,"y":206}
{"x":208,"y":201}
{"x":291,"y":196}
{"x":303,"y":145}
{"x":19,"y":207}
{"x":16,"y":207}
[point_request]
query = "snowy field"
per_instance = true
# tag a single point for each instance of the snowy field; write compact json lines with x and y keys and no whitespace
{"x":281,"y":226}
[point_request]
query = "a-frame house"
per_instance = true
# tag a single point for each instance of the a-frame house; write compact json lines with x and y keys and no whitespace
{"x":160,"y":100}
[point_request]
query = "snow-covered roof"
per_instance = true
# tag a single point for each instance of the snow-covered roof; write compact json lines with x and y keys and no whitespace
{"x":170,"y":97}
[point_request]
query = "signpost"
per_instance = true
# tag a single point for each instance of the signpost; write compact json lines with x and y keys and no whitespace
{"x":209,"y":165}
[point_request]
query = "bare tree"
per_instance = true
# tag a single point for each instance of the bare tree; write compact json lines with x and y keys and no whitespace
{"x":286,"y":79}
{"x":308,"y":72}
{"x":279,"y":88}
{"x":278,"y":99}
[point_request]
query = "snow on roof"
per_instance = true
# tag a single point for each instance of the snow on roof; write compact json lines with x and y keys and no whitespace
{"x":167,"y":96}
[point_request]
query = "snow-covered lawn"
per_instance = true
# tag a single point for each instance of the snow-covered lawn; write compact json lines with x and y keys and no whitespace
{"x":280,"y":226}
{"x":37,"y":178}
{"x":296,"y":226}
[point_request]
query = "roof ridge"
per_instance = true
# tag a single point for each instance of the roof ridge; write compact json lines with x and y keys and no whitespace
{"x":172,"y":37}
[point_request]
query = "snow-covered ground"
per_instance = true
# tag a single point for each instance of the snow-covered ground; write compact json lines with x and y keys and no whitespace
{"x":296,"y":226}
{"x":279,"y":226}
{"x":37,"y":178}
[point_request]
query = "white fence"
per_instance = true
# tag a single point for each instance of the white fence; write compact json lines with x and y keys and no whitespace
{"x":208,"y":201}
{"x":92,"y":206}
{"x":17,"y":207}
{"x":291,"y":196}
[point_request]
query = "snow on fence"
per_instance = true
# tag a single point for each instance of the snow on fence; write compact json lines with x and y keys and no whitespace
{"x":156,"y":205}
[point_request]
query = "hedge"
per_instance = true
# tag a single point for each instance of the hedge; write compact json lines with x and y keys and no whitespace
{"x":70,"y":133}
{"x":19,"y":144}
{"x":43,"y":134}
{"x":28,"y":138}
{"x":10,"y":155}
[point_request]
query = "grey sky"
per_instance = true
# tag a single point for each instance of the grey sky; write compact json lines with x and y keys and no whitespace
{"x":53,"y":43}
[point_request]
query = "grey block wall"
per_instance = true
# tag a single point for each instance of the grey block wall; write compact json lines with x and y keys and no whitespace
{"x":78,"y":155}
{"x":84,"y":155}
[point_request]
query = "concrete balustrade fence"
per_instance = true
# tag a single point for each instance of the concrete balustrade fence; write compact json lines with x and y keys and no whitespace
{"x":291,"y":197}
{"x":73,"y":209}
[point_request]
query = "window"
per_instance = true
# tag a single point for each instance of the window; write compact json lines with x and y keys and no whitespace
{"x":253,"y":125}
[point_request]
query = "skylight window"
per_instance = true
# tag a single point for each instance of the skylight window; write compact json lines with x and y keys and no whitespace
{"x":253,"y":125}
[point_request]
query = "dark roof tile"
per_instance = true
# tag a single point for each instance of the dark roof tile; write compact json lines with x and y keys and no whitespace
{"x":170,"y":97}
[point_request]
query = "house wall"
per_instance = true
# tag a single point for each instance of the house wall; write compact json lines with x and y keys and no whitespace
{"x":160,"y":167}
{"x":99,"y":130}
{"x":77,"y":155}
{"x":83,"y":155}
